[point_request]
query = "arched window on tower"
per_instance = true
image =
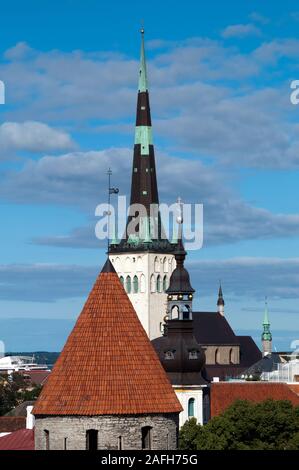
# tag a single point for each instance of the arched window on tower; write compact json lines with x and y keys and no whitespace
{"x":165,"y":265}
{"x":128,"y":285}
{"x":186,"y":313}
{"x":191,"y":407}
{"x":175,"y":313}
{"x":121,"y":278}
{"x":135,"y":284}
{"x":157,"y":265}
{"x":159,"y":284}
{"x":165,"y":283}
{"x":153,"y":283}
{"x":142,"y":283}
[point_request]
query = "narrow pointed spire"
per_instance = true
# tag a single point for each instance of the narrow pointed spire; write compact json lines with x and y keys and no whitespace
{"x":144,"y":228}
{"x":142,"y":84}
{"x":180,"y":280}
{"x":266,"y":335}
{"x":220,"y":301}
{"x":266,"y":321}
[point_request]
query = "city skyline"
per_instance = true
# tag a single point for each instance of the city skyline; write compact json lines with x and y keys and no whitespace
{"x":225,"y":135}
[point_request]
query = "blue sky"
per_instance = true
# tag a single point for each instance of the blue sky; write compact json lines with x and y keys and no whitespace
{"x":225,"y":132}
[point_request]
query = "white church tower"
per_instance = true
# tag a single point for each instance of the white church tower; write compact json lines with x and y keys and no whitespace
{"x":144,"y":258}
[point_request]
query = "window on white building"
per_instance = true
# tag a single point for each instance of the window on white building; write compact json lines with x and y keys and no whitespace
{"x":165,"y":283}
{"x":159,"y":284}
{"x":191,"y":407}
{"x":135,"y":285}
{"x":128,"y":285}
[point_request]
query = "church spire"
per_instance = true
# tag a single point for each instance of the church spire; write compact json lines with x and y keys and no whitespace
{"x":144,"y":228}
{"x":180,"y":292}
{"x":266,"y":335}
{"x":220,"y":301}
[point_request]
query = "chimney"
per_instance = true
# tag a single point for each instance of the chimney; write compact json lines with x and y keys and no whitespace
{"x":30,"y":421}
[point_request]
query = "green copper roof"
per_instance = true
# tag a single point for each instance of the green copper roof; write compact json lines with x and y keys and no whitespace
{"x":142,"y":84}
{"x":266,"y":316}
{"x":266,"y":335}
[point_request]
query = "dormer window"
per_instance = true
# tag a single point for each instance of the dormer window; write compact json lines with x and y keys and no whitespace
{"x":193,"y":354}
{"x":169,"y":354}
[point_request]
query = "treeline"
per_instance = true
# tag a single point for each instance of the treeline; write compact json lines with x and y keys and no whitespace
{"x":269,"y":425}
{"x":40,"y":357}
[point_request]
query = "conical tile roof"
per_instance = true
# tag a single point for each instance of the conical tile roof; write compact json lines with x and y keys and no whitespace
{"x":108,"y":365}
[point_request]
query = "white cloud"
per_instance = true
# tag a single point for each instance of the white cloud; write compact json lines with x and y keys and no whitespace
{"x":248,"y":277}
{"x":79,"y":179}
{"x":19,"y":52}
{"x":45,"y":282}
{"x":32,"y":136}
{"x":241,"y":277}
{"x":240,"y":31}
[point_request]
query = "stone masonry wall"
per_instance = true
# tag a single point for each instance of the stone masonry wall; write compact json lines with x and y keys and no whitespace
{"x":70,"y":431}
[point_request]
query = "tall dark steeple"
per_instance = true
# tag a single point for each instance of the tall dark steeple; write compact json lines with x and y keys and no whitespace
{"x":144,"y":230}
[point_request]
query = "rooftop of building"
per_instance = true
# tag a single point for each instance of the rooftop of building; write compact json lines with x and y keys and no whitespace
{"x":223,"y":394}
{"x":23,"y":439}
{"x":108,"y":364}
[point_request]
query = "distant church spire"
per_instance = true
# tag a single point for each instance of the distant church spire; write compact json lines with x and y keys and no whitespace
{"x":266,"y":335}
{"x":144,"y":229}
{"x":220,"y":301}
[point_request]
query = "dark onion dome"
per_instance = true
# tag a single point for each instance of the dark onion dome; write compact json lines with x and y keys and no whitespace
{"x":180,"y":280}
{"x":180,"y":354}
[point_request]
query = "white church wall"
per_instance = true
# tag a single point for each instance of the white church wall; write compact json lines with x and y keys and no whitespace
{"x":184,"y":395}
{"x":150,"y":300}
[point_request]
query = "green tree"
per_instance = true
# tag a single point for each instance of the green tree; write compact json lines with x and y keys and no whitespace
{"x":188,"y":434}
{"x":269,"y":425}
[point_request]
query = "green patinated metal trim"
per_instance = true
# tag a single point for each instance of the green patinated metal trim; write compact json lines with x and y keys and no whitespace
{"x":142,"y":83}
{"x":144,"y":137}
{"x":266,"y":335}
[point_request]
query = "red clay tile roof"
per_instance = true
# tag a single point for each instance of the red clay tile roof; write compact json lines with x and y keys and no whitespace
{"x":12,"y":423}
{"x":37,"y":377}
{"x":223,"y":394}
{"x":108,"y":364}
{"x":18,"y":440}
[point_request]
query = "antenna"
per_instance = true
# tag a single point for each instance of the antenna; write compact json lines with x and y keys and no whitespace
{"x":180,"y":218}
{"x":108,"y":212}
